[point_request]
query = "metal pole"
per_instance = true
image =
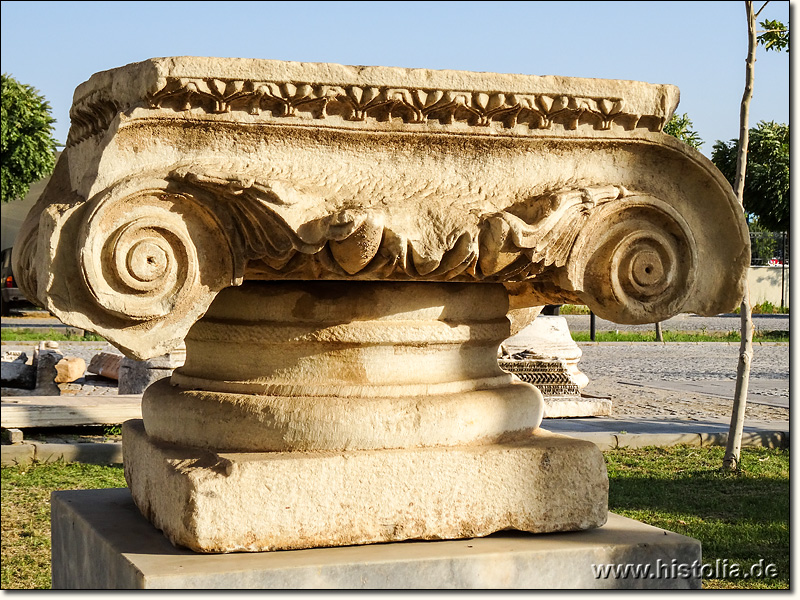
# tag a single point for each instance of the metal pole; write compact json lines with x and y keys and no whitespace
{"x":591,"y":326}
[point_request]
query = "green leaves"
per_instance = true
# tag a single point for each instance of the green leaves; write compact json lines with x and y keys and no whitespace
{"x":775,"y":36}
{"x":679,"y":126}
{"x":28,"y":147}
{"x":766,"y":187}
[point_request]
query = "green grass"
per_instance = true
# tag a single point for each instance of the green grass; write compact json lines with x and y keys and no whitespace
{"x":26,"y":515}
{"x":765,"y":308}
{"x":679,"y":336}
{"x":38,"y":335}
{"x":742,"y":517}
{"x":574,"y":309}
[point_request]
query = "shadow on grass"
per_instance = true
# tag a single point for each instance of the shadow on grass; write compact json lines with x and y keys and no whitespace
{"x":739,"y":517}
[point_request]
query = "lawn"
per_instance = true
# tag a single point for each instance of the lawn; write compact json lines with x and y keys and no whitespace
{"x":742,"y":517}
{"x":680,"y":336}
{"x":26,"y":515}
{"x":37,"y":335}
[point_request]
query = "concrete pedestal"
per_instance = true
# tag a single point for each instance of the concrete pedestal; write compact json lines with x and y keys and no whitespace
{"x":101,"y":541}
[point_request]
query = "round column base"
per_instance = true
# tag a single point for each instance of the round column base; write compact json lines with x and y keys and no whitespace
{"x":279,"y":367}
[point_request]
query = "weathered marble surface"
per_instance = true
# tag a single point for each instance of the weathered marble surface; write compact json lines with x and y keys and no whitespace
{"x":343,"y":249}
{"x":234,"y":502}
{"x":183,"y":176}
{"x":304,"y":366}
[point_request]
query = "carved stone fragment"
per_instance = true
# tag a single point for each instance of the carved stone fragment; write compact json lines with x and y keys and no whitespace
{"x":183,"y":176}
{"x":370,"y":235}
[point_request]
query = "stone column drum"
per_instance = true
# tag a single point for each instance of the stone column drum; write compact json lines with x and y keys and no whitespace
{"x":343,"y":249}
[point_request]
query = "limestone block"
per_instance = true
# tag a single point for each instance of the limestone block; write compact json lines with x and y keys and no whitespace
{"x":576,"y":406}
{"x":39,"y":378}
{"x":16,"y":373}
{"x":46,"y":372}
{"x":16,"y":454}
{"x":135,"y":376}
{"x":12,"y":436}
{"x":229,"y":502}
{"x":69,"y":369}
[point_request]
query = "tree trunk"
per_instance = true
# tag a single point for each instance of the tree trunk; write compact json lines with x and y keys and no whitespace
{"x":659,"y":334}
{"x":734,"y":445}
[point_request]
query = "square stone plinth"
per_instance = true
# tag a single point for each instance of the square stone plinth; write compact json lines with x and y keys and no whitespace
{"x":101,"y":541}
{"x":229,"y":502}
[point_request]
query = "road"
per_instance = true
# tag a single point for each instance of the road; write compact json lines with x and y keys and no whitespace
{"x":685,"y":322}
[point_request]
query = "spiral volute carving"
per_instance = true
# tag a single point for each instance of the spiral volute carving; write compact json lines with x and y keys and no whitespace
{"x":636,"y":261}
{"x":151,"y":253}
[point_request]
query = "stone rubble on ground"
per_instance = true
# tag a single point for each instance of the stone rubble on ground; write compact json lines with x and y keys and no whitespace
{"x":36,"y":379}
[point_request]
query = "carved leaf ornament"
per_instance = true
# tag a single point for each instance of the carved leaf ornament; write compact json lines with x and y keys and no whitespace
{"x":150,"y":244}
{"x":360,"y":103}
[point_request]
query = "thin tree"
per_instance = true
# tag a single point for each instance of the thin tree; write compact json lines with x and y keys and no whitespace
{"x":776,"y":37}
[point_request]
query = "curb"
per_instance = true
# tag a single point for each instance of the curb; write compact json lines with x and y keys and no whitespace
{"x":612,"y":441}
{"x":111,"y":452}
{"x":90,"y":453}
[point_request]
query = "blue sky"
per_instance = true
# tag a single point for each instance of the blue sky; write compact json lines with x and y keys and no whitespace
{"x":698,"y":46}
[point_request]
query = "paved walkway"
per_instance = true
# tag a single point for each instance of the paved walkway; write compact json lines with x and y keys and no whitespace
{"x":681,"y":393}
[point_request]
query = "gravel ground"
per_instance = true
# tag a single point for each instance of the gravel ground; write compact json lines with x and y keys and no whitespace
{"x":647,"y":364}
